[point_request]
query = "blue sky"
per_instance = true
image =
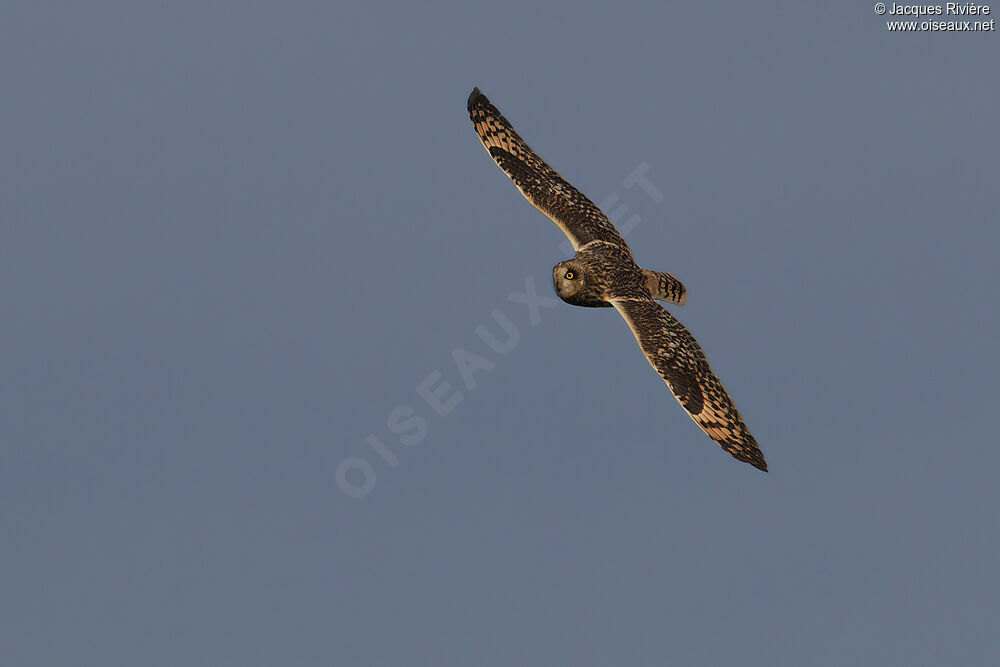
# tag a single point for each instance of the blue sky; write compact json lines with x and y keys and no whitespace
{"x":241,"y":244}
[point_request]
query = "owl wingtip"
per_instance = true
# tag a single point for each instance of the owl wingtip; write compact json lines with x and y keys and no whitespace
{"x":474,"y":97}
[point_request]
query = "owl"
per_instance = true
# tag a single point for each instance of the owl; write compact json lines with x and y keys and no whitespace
{"x":602,"y":274}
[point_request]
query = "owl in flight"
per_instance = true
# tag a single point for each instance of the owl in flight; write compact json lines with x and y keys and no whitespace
{"x":603,"y":274}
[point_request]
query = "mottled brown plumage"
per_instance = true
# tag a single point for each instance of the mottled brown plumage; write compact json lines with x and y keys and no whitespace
{"x":603,"y":274}
{"x":665,"y":287}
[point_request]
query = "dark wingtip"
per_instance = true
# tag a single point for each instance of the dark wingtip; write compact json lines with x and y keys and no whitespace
{"x":757,"y":461}
{"x":474,"y":98}
{"x":749,"y":452}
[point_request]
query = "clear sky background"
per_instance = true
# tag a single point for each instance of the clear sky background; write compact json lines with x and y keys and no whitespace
{"x":236,"y":237}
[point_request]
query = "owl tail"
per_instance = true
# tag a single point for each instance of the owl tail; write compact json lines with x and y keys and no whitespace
{"x":665,"y":287}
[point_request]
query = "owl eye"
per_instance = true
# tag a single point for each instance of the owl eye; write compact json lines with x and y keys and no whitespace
{"x":569,"y":275}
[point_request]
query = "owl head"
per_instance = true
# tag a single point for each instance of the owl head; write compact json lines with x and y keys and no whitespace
{"x":575,"y":285}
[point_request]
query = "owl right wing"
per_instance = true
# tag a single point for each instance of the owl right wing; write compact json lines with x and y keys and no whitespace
{"x":676,"y":356}
{"x":549,"y":192}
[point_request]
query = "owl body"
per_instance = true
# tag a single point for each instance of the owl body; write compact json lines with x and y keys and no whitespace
{"x":598,"y":273}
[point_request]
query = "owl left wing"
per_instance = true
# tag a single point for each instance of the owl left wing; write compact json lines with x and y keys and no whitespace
{"x":547,"y":191}
{"x":677,"y":357}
